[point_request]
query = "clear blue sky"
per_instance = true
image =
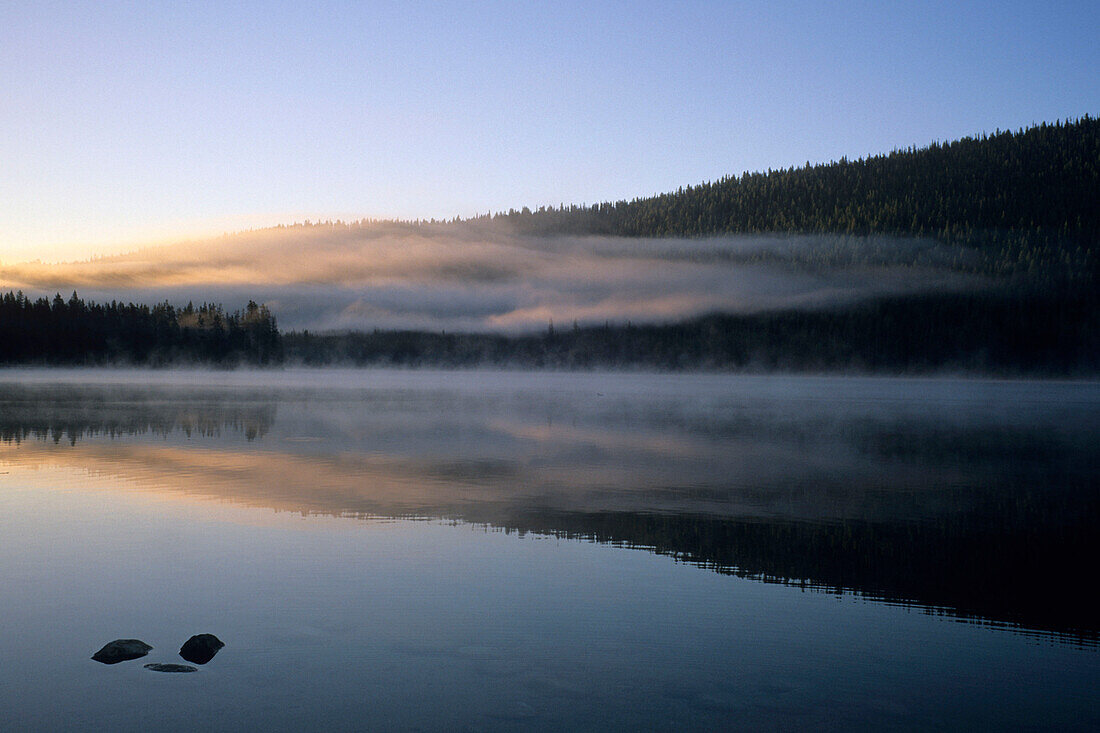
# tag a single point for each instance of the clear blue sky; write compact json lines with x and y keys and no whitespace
{"x":130,"y":122}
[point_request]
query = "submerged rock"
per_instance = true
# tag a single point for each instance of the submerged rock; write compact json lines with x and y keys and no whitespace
{"x":121,"y":650}
{"x":173,"y":668}
{"x":201,"y":648}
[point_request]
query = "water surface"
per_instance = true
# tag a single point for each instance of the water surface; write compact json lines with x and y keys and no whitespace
{"x":479,"y":550}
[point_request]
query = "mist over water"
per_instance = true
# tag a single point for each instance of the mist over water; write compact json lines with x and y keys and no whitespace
{"x":950,"y":463}
{"x":484,"y":278}
{"x":502,"y":550}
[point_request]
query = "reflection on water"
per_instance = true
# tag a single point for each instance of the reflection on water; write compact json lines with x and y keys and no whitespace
{"x":978,"y":499}
{"x":70,"y":414}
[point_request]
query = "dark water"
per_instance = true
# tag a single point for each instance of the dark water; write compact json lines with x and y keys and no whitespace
{"x":481,"y":551}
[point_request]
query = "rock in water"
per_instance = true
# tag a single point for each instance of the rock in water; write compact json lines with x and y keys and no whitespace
{"x":175,"y":668}
{"x":201,"y":648}
{"x":121,"y":650}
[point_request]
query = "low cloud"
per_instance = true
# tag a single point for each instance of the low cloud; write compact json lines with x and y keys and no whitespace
{"x":484,"y":278}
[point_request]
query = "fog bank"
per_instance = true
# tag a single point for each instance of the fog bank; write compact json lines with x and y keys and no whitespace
{"x":484,"y":278}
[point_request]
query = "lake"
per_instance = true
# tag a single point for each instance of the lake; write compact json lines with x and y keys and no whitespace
{"x":418,"y":550}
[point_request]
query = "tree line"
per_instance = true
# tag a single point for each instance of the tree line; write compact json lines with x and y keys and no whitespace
{"x":1001,"y":331}
{"x":997,"y":331}
{"x":75,"y":332}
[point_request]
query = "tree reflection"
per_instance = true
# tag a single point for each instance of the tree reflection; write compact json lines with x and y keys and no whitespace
{"x":981,"y":519}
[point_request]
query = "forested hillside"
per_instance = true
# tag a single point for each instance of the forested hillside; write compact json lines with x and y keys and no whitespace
{"x":1045,"y":179}
{"x":1015,"y":214}
{"x":1025,"y":201}
{"x":1021,"y":208}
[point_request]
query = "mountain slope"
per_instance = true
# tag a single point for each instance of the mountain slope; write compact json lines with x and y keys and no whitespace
{"x":1043,"y":179}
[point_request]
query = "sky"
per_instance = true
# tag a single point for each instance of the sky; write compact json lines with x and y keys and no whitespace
{"x":130,"y":124}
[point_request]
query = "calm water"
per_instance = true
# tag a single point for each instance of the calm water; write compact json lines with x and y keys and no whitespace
{"x":484,"y":551}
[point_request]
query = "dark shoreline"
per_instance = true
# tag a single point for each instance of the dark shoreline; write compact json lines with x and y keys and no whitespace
{"x":1005,"y":334}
